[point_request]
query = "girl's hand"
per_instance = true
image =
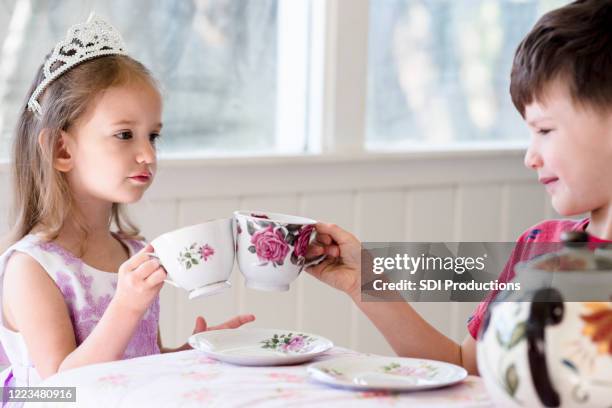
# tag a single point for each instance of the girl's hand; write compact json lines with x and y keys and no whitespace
{"x":140,"y":280}
{"x":341,"y":269}
{"x":201,"y":326}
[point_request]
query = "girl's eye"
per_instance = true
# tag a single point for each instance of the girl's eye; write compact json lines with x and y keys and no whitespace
{"x":544,"y":132}
{"x":124,"y":135}
{"x":154,"y":136}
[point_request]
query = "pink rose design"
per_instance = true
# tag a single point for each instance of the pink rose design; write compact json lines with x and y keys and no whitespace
{"x":295,"y":344}
{"x":270,"y":245}
{"x":303,"y":239}
{"x":206,"y":251}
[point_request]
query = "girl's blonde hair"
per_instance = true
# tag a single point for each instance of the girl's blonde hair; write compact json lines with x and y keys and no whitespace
{"x":41,"y":193}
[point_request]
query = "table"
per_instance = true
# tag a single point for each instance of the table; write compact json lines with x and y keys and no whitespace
{"x":190,"y":379}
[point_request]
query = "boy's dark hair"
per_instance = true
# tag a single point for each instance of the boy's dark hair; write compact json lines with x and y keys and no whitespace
{"x":572,"y":43}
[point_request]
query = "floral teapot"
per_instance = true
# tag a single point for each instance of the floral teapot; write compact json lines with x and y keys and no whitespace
{"x":542,"y":348}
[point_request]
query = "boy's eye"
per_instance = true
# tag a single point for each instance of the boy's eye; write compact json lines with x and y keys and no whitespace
{"x":154,"y":136}
{"x":124,"y":135}
{"x":543,"y":132}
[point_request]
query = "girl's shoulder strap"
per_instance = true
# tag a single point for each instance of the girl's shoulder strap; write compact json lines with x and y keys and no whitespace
{"x":49,"y":255}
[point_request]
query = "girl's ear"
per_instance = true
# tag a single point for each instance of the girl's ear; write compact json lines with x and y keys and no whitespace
{"x":62,"y":161}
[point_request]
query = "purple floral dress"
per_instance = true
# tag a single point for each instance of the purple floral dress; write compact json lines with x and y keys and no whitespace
{"x":87,"y":292}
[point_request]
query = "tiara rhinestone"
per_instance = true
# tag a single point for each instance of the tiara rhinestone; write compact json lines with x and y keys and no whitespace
{"x":83,"y":42}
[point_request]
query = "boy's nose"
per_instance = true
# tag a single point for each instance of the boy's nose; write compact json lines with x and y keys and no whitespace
{"x":533,"y":160}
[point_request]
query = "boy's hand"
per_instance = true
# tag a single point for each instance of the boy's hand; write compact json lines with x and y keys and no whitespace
{"x":342,"y":267}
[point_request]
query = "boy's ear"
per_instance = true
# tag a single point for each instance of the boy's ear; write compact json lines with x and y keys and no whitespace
{"x":62,"y":160}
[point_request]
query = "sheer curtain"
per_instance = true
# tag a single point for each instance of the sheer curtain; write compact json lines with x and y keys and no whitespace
{"x":215,"y":59}
{"x":439,"y":70}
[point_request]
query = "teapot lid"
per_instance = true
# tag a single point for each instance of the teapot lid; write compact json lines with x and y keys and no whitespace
{"x":576,"y":254}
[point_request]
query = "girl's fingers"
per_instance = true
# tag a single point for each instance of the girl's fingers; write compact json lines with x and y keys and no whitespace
{"x":146,"y":268}
{"x":234,"y":323}
{"x":140,"y":257}
{"x":156,"y":278}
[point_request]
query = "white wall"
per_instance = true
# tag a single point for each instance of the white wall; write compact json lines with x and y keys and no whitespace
{"x":469,"y":196}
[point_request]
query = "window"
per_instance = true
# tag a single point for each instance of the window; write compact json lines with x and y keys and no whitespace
{"x":439,"y":70}
{"x":219,"y":63}
{"x":249,"y":77}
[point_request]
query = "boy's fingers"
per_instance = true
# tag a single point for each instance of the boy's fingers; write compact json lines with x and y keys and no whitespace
{"x":335,"y":232}
{"x":333,"y":251}
{"x":324,"y":239}
{"x":314,"y":250}
{"x":317,"y":270}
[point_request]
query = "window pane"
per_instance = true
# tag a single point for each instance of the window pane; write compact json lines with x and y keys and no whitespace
{"x":217,"y":62}
{"x":439,"y":70}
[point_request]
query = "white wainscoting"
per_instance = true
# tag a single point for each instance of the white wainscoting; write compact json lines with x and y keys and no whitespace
{"x":469,"y":196}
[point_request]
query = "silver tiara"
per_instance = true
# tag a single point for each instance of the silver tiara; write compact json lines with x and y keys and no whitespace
{"x":85,"y":41}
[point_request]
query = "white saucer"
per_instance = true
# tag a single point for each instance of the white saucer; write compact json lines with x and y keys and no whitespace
{"x":260,"y":347}
{"x":386,"y":373}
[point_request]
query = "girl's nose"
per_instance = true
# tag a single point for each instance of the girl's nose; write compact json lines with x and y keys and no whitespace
{"x":533,"y":159}
{"x":146,"y":152}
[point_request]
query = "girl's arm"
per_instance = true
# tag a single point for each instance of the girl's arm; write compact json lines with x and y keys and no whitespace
{"x":33,"y":305}
{"x":36,"y":309}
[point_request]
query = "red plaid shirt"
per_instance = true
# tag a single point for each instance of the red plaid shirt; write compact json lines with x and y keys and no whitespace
{"x":546,"y":231}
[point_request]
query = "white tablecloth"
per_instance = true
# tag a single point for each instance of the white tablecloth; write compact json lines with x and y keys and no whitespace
{"x":189,"y":379}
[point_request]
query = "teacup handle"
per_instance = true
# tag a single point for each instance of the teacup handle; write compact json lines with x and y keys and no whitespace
{"x":170,"y":281}
{"x":315,"y":261}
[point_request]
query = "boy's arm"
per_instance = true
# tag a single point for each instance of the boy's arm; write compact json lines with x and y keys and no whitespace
{"x":38,"y":311}
{"x":411,"y":336}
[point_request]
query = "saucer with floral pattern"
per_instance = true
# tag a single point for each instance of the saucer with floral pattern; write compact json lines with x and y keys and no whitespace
{"x":260,"y":347}
{"x":386,"y":373}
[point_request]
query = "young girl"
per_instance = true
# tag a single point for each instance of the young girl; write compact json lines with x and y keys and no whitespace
{"x":561,"y":83}
{"x":73,"y":292}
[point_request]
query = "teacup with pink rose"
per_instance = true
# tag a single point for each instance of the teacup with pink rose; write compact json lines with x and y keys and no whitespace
{"x":271,"y":248}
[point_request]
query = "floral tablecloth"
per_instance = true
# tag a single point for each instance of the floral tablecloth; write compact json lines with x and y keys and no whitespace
{"x":189,"y":378}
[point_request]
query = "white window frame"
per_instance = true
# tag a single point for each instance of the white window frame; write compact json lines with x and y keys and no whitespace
{"x":322,"y":75}
{"x":344,"y":36}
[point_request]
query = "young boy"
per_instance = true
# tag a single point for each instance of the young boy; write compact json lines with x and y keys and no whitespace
{"x":561,"y":83}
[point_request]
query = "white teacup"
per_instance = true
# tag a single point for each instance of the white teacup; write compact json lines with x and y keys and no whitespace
{"x":198,"y":258}
{"x":271,"y":248}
